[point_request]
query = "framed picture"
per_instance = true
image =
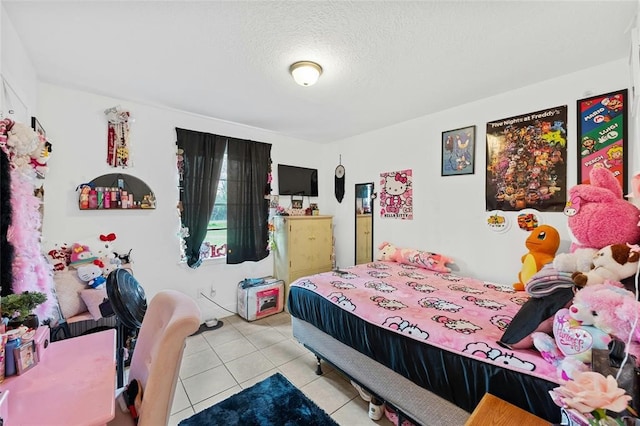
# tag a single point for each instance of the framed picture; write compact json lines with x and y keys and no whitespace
{"x":296,"y":204}
{"x":458,"y":151}
{"x":35,"y":125}
{"x":602,"y":135}
{"x":25,"y":356}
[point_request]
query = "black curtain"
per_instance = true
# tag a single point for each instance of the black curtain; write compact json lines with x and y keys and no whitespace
{"x":248,"y":165}
{"x":6,"y":248}
{"x":203,"y":154}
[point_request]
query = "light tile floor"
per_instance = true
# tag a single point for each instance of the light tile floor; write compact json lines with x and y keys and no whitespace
{"x":219,"y":363}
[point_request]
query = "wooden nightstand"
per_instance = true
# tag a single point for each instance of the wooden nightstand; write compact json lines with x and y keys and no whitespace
{"x":493,"y":411}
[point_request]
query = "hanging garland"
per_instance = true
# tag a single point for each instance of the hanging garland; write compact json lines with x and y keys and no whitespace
{"x":118,"y":137}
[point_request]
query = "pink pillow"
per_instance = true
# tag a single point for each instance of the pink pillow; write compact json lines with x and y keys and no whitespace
{"x":93,"y":298}
{"x":423,"y":259}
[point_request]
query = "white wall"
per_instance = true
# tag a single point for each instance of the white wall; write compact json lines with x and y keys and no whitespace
{"x":77,"y":126}
{"x":449,"y":212}
{"x":17,"y":72}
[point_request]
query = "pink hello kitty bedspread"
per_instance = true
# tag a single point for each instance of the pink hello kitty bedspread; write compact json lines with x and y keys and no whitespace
{"x":458,"y":314}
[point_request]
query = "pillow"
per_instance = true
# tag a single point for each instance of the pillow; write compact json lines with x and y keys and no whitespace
{"x":423,"y":259}
{"x":93,"y":298}
{"x":68,"y":287}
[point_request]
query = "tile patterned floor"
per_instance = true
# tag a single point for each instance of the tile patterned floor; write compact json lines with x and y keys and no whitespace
{"x":219,"y":363}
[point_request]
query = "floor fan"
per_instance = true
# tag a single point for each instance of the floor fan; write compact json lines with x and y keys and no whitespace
{"x":129,"y":304}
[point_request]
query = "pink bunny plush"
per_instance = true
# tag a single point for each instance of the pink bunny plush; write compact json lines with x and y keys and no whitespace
{"x":599,"y":215}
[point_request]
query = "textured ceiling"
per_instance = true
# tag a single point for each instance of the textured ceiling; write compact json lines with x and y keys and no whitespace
{"x":384,"y":62}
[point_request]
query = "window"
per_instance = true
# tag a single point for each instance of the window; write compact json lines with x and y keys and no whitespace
{"x":223,"y":182}
{"x":214,"y":245}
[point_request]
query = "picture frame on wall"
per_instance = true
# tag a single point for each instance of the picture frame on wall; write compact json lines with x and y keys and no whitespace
{"x":35,"y":125}
{"x":25,"y":356}
{"x":603,"y":135}
{"x":458,"y":151}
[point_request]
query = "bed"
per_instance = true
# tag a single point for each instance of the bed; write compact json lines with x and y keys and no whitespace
{"x":420,"y":340}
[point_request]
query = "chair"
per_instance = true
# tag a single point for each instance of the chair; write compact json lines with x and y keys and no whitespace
{"x":170,"y":318}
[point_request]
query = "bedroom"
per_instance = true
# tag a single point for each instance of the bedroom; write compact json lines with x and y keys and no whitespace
{"x":448,"y":214}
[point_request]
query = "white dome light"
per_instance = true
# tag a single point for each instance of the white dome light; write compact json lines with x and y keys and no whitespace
{"x":305,"y":73}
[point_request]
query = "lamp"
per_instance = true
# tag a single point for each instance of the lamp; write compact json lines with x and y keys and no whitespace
{"x":305,"y":73}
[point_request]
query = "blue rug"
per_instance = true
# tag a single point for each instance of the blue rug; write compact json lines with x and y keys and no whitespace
{"x":272,"y":402}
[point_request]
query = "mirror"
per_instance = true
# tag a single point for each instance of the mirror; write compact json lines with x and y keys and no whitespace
{"x":364,"y":222}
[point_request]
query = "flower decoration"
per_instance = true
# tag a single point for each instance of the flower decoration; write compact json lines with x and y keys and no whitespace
{"x":591,"y":392}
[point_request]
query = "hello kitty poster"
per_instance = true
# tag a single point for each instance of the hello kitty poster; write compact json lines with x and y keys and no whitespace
{"x":396,"y":195}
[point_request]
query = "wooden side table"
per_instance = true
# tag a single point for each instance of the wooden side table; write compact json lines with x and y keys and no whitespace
{"x":493,"y":411}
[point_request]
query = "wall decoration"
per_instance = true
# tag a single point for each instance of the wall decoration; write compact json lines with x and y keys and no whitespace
{"x":458,"y":151}
{"x":526,"y":161}
{"x":602,"y":132}
{"x":498,"y":221}
{"x":396,"y":195}
{"x":118,"y":137}
{"x":529,"y":219}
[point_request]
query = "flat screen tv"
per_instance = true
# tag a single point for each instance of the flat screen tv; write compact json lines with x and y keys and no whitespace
{"x":294,"y":180}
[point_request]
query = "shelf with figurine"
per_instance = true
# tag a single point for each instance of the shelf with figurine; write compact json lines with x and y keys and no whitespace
{"x":115,"y":191}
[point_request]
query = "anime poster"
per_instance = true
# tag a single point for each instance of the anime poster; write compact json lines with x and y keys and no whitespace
{"x":526,"y":165}
{"x":602,"y":132}
{"x":396,"y":195}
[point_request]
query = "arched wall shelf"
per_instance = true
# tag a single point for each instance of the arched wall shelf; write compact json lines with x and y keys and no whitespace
{"x":116,"y":186}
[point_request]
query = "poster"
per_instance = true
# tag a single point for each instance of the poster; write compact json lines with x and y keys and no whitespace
{"x":526,"y":161}
{"x":396,"y":195}
{"x":602,"y":132}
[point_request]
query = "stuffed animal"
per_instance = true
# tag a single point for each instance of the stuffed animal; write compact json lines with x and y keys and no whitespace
{"x":40,"y":157}
{"x":608,"y":307}
{"x":543,"y":242}
{"x":598,"y":313}
{"x":421,"y":259}
{"x":22,"y":139}
{"x":81,"y":254}
{"x":598,"y":214}
{"x":92,"y":275}
{"x":614,"y":262}
{"x":581,"y":260}
{"x":387,"y":252}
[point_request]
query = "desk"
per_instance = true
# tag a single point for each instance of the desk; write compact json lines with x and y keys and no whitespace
{"x":74,"y":385}
{"x":493,"y":411}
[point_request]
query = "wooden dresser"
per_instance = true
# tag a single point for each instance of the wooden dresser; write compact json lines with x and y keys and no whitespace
{"x":303,"y":246}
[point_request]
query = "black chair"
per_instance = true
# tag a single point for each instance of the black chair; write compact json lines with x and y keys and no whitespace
{"x":129,"y":304}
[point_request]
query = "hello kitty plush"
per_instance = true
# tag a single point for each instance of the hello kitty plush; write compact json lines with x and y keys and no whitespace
{"x":92,"y":275}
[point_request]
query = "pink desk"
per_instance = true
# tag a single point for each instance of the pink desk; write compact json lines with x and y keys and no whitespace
{"x":74,"y":385}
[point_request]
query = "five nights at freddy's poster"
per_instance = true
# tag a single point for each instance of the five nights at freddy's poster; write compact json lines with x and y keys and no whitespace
{"x":526,"y":161}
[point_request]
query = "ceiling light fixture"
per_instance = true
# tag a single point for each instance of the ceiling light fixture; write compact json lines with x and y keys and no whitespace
{"x":305,"y":73}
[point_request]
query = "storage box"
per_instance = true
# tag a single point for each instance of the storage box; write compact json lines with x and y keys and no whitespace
{"x":259,"y":298}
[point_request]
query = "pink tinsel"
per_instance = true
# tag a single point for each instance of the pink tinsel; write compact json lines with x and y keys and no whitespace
{"x":31,"y":271}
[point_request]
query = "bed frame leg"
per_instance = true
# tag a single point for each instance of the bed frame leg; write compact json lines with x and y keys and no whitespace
{"x":318,"y":366}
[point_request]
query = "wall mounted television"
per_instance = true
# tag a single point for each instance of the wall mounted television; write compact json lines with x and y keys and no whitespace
{"x":293,"y":180}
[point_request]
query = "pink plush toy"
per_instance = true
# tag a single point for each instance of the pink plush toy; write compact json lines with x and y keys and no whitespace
{"x":597,"y":313}
{"x":421,"y":259}
{"x":598,"y":214}
{"x":610,"y":308}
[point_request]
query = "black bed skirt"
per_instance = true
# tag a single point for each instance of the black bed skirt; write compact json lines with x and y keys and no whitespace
{"x":461,"y":380}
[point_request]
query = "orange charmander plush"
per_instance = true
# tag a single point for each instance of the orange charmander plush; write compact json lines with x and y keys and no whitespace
{"x":543,"y":243}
